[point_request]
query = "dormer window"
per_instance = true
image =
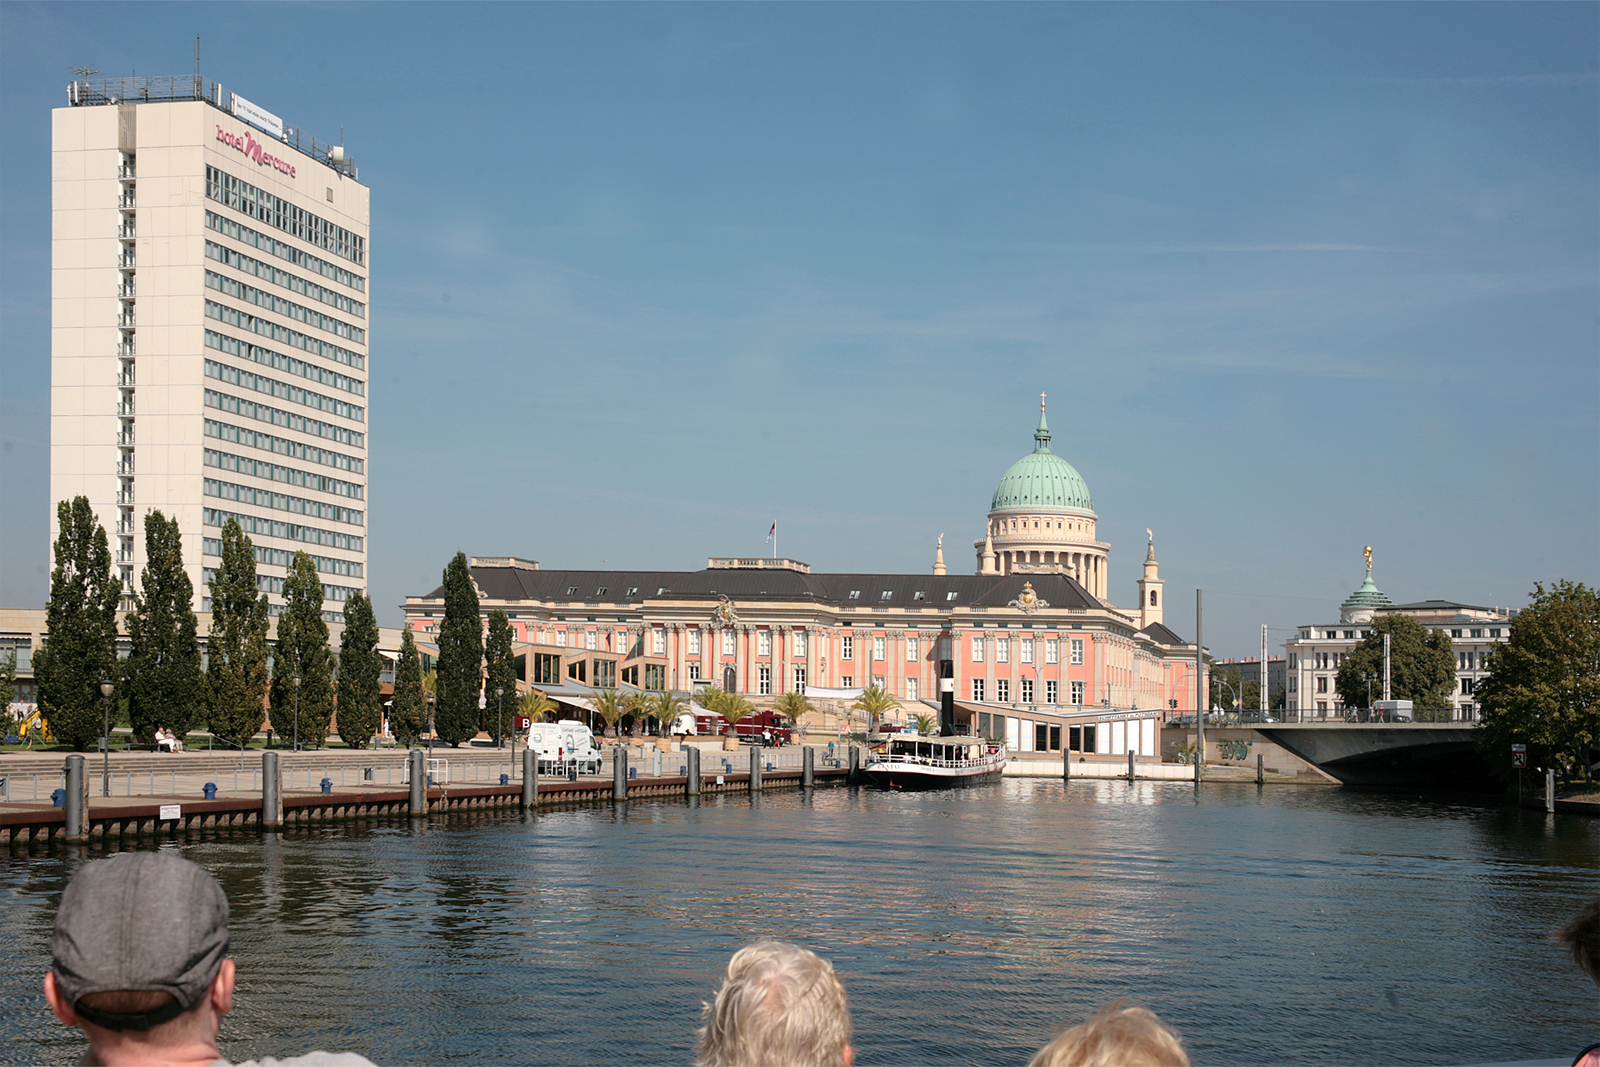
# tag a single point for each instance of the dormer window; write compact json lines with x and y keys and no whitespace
{"x":886,"y":594}
{"x":918,"y":595}
{"x":855,"y":594}
{"x":632,"y":590}
{"x":949,"y":596}
{"x":572,"y":590}
{"x":601,"y":591}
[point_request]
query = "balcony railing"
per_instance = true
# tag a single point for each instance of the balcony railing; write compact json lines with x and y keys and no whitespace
{"x":125,"y":379}
{"x":125,"y":468}
{"x":126,"y":319}
{"x":126,"y":350}
{"x":125,"y":527}
{"x":125,"y":438}
{"x":126,"y":261}
{"x":125,"y":408}
{"x":126,"y":171}
{"x":126,"y":291}
{"x":127,"y":231}
{"x":125,"y":201}
{"x":125,"y":496}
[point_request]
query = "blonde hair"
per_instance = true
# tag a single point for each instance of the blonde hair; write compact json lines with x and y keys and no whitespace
{"x":1119,"y":1035}
{"x":779,"y":1006}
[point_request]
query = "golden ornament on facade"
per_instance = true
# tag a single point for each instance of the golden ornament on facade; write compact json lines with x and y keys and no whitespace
{"x":1029,"y":602}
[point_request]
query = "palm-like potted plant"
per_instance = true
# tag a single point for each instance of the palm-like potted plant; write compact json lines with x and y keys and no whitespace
{"x":665,"y":707}
{"x":794,"y":706}
{"x":874,"y":702}
{"x":607,"y":704}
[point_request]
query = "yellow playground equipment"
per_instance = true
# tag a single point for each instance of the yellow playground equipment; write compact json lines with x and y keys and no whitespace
{"x":34,"y":719}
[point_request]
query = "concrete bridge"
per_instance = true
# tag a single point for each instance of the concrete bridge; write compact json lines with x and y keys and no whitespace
{"x":1430,"y":754}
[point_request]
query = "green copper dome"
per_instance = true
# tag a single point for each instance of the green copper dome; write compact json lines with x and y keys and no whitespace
{"x":1042,"y":480}
{"x":1368,"y":596}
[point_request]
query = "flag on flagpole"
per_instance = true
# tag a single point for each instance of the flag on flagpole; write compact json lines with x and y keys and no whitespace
{"x":772,"y":533}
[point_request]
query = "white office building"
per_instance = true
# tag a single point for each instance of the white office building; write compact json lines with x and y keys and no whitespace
{"x":209,"y":329}
{"x":1316,"y":651}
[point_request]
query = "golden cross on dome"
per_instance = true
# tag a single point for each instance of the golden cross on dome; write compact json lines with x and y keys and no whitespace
{"x":1041,"y":403}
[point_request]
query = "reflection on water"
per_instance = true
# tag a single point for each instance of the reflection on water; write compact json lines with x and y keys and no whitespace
{"x":1283,"y":925}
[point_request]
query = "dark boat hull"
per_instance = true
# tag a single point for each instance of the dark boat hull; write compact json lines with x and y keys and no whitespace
{"x":911,"y":777}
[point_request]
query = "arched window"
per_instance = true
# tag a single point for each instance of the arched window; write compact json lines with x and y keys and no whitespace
{"x":1152,"y":598}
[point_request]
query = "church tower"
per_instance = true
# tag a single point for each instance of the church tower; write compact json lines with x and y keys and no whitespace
{"x":1150,"y":592}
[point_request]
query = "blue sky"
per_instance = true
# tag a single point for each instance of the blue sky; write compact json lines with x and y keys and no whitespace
{"x":1298,"y":278}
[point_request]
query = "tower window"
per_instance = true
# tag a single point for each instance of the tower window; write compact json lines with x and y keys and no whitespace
{"x":1152,"y":598}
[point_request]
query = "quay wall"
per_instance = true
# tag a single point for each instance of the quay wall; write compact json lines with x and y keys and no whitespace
{"x":119,"y":817}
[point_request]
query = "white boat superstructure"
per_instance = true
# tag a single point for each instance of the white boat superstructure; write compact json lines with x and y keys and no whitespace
{"x":913,"y":761}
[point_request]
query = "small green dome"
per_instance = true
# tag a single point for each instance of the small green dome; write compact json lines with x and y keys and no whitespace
{"x":1042,"y":479}
{"x":1368,"y":596}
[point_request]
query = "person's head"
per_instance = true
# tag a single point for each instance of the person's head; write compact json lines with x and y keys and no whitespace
{"x":1582,"y":936}
{"x":1119,"y":1035}
{"x":138,"y":958}
{"x":779,"y":1006}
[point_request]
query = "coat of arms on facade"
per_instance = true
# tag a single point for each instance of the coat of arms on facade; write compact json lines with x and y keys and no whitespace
{"x":723,"y":614}
{"x":1029,"y":602}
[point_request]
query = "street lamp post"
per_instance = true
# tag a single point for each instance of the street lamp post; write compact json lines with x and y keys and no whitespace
{"x":105,"y":741}
{"x":431,"y":700}
{"x":499,"y":717}
{"x":295,"y":681}
{"x":1234,"y":693}
{"x":1367,"y":675}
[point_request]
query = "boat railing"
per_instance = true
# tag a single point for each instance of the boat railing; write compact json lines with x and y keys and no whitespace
{"x":930,"y":761}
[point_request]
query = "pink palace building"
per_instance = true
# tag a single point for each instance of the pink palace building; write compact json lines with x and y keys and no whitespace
{"x":1031,"y":644}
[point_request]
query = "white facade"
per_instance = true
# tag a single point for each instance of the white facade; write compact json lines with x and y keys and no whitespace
{"x":1316,"y":651}
{"x":209,"y":331}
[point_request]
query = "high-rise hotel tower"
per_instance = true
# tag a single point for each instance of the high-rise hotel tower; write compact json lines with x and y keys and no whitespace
{"x":209,"y":329}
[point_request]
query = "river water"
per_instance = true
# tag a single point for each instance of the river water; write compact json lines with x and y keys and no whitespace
{"x":1287,"y":925}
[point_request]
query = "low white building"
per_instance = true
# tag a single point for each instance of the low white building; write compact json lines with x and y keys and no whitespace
{"x":1316,"y":651}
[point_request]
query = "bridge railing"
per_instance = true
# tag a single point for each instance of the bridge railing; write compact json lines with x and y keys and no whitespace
{"x":1248,"y":719}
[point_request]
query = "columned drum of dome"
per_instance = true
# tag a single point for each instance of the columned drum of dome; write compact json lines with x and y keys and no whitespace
{"x":1042,"y":520}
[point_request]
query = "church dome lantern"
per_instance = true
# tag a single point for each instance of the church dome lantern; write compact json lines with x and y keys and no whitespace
{"x":1042,"y":480}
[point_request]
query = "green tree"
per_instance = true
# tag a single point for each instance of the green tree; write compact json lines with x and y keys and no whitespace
{"x":1422,"y":666}
{"x":236,"y":650}
{"x":360,"y":695}
{"x":874,"y":702}
{"x":536,"y":706}
{"x":731,"y":707}
{"x":1227,"y":686}
{"x":460,"y":668}
{"x":408,"y":711}
{"x":302,"y":651}
{"x":162,"y":672}
{"x":608,"y":705}
{"x":501,"y":675}
{"x":81,"y":649}
{"x":1543,"y":688}
{"x":8,"y":692}
{"x":926,"y":723}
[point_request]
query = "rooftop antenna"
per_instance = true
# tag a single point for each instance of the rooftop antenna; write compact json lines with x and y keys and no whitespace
{"x":85,"y":72}
{"x":197,"y":66}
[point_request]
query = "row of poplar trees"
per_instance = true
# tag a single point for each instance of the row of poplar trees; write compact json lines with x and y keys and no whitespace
{"x":475,"y":662}
{"x":161,"y":682}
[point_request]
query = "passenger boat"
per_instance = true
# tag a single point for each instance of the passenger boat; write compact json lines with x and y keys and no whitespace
{"x":912,"y":761}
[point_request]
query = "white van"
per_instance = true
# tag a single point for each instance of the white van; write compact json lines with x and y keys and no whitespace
{"x":558,"y":746}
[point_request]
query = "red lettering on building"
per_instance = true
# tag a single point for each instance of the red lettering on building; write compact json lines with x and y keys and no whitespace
{"x":255,"y":151}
